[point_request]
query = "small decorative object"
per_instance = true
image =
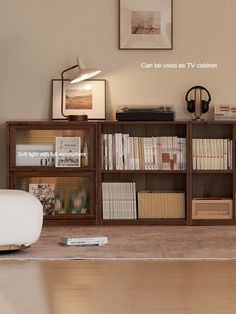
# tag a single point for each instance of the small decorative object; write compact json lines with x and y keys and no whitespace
{"x":146,"y":24}
{"x":60,"y":203}
{"x":45,"y":193}
{"x":68,"y":152}
{"x":75,"y":100}
{"x":85,"y":98}
{"x":198,"y":98}
{"x":78,"y":203}
{"x":84,"y":157}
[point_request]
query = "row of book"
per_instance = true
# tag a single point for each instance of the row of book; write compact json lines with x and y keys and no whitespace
{"x":224,"y":112}
{"x":212,"y":154}
{"x":124,"y":152}
{"x":119,"y":200}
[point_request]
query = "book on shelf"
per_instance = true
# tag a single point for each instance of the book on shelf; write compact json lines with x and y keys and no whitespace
{"x":68,"y":152}
{"x":45,"y":193}
{"x":84,"y":241}
{"x":224,"y":112}
{"x":211,"y":154}
{"x":119,"y":200}
{"x":125,"y":152}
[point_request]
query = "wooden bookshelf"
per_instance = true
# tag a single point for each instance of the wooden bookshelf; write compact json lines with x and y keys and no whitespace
{"x":194,"y":183}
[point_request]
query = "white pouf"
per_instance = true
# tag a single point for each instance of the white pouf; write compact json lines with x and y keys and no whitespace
{"x":21,"y":219}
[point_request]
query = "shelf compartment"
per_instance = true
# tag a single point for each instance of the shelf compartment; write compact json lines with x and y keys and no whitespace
{"x":52,"y":169}
{"x":144,"y":146}
{"x":212,"y":185}
{"x":41,"y":138}
{"x":144,"y":172}
{"x":212,"y":130}
{"x":150,"y":181}
{"x":62,"y":197}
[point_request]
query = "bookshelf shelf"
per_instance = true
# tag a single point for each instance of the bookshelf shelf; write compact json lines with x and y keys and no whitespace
{"x":213,"y":222}
{"x":163,"y":164}
{"x":212,"y":171}
{"x":151,"y":221}
{"x":144,"y":171}
{"x":46,"y":169}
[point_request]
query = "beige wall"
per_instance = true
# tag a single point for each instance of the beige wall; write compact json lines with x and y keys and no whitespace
{"x":39,"y":38}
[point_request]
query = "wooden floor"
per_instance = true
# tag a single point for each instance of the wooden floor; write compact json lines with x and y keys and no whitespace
{"x":117,"y":287}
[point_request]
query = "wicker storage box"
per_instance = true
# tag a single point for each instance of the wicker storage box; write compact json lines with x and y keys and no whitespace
{"x":212,"y":208}
{"x":153,"y":204}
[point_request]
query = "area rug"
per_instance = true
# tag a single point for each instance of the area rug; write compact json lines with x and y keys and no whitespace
{"x":135,"y":242}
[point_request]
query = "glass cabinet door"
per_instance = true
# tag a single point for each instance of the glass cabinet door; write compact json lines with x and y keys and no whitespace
{"x":65,"y":195}
{"x":53,"y":147}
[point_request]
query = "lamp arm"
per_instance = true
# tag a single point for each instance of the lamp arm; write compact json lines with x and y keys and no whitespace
{"x":62,"y":87}
{"x":71,"y":68}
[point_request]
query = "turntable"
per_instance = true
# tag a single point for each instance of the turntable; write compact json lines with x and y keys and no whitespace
{"x":159,"y":113}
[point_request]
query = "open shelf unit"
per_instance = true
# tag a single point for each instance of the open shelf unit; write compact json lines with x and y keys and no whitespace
{"x":215,"y":184}
{"x":153,"y":180}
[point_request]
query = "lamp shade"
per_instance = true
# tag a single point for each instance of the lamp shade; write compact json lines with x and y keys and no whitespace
{"x":84,"y":74}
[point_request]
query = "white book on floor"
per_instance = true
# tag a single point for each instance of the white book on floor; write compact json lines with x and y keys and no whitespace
{"x":84,"y":241}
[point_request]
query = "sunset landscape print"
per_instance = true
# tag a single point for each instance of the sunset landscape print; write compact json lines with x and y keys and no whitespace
{"x":79,"y":99}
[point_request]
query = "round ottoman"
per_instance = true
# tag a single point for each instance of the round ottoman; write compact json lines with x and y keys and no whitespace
{"x":21,"y":218}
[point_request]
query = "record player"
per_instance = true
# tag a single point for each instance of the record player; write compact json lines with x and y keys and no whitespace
{"x":158,"y":113}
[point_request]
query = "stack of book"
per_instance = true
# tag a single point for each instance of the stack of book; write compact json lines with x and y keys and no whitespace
{"x":212,"y":154}
{"x":123,"y":152}
{"x":224,"y":112}
{"x":119,"y":200}
{"x":84,"y":241}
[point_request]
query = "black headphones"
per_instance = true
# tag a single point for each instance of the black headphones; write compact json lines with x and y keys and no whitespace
{"x":191,"y":104}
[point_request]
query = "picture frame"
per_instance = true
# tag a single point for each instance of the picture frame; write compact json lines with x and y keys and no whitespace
{"x":84,"y":98}
{"x":146,"y":25}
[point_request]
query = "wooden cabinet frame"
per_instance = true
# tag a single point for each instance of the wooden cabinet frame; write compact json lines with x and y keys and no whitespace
{"x":195,"y":183}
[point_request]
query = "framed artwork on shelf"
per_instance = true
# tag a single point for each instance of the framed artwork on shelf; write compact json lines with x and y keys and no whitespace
{"x":84,"y":98}
{"x":146,"y":24}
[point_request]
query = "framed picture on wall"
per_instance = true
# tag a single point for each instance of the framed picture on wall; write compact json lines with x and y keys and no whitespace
{"x":84,"y":98}
{"x":146,"y":24}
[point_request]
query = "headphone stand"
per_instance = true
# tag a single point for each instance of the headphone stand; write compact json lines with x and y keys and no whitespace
{"x":197,"y":117}
{"x":195,"y":106}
